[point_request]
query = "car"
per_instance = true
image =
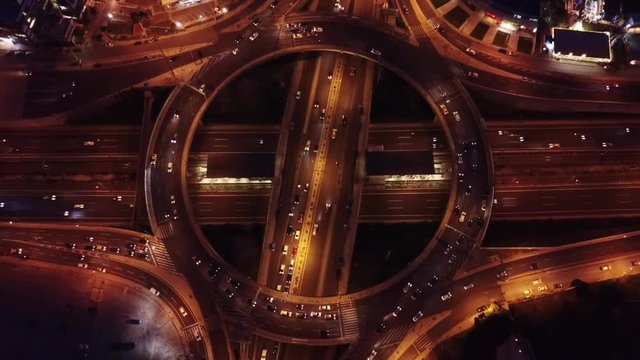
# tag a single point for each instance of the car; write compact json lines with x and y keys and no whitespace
{"x":307,"y":145}
{"x":83,"y":265}
{"x":317,"y":29}
{"x":297,"y":235}
{"x":229,"y":293}
{"x":526,"y":292}
{"x":71,"y":245}
{"x":89,"y":143}
{"x":557,"y":286}
{"x":101,"y":269}
{"x":300,"y":306}
{"x":234,"y":283}
{"x":288,"y":278}
{"x":542,"y":287}
{"x":330,"y":316}
{"x":115,"y":250}
{"x":253,"y":36}
{"x":315,"y":314}
{"x":154,"y":291}
{"x":473,"y":74}
{"x":456,"y":115}
{"x":255,"y":21}
{"x":286,"y":313}
{"x":407,"y":287}
{"x":463,"y":215}
{"x":235,"y":51}
{"x":89,"y":247}
{"x":376,"y":52}
{"x":285,"y":249}
{"x":503,"y":274}
{"x":324,"y":333}
{"x":416,"y":294}
{"x":534,"y":266}
{"x":134,"y":321}
{"x":170,"y":167}
{"x":272,"y":308}
{"x":315,"y":229}
{"x":294,"y":252}
{"x":352,"y":71}
{"x":330,"y":75}
{"x":117,"y":198}
{"x":471,"y":51}
{"x":417,"y":316}
{"x":183,"y":312}
{"x":444,"y":109}
{"x":274,"y":4}
{"x":396,"y":311}
{"x":239,"y":38}
{"x":334,"y":132}
{"x":272,"y":246}
{"x":446,"y":296}
{"x":301,"y":315}
{"x":281,"y":270}
{"x":84,"y":347}
{"x":635,"y":263}
{"x":154,"y":159}
{"x":605,"y":267}
{"x":264,"y":354}
{"x":325,"y":307}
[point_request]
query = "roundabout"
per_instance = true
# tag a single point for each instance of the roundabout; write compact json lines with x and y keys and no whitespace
{"x":359,"y":312}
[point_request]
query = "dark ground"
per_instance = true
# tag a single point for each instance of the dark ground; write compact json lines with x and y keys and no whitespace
{"x":555,"y":232}
{"x":238,"y":244}
{"x":382,"y":250}
{"x":395,"y":101}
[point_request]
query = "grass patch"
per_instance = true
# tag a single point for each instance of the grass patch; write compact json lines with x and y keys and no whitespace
{"x":382,"y":250}
{"x":501,"y":39}
{"x":457,"y":16}
{"x":239,"y":244}
{"x":480,"y":31}
{"x":525,"y":45}
{"x":439,"y":3}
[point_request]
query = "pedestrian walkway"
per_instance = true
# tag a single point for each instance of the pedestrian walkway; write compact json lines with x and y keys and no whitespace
{"x":348,"y":320}
{"x":161,"y":256}
{"x":394,"y":336}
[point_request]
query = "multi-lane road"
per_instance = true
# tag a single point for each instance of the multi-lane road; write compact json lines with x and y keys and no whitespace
{"x":102,"y":176}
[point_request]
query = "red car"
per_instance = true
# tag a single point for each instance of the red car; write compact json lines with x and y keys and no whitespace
{"x":294,"y":251}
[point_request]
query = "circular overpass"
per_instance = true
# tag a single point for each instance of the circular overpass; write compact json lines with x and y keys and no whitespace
{"x":424,"y":70}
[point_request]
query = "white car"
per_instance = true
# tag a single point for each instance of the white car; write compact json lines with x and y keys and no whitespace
{"x":297,"y":235}
{"x":418,"y":316}
{"x":154,"y":291}
{"x":285,"y":249}
{"x":183,"y":312}
{"x":468,"y":286}
{"x":253,"y":36}
{"x":470,"y":51}
{"x":456,"y":115}
{"x":281,"y":271}
{"x":463,"y":216}
{"x":446,"y":296}
{"x":83,"y":265}
{"x":375,"y":51}
{"x":170,"y":167}
{"x":235,"y":51}
{"x":89,"y":143}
